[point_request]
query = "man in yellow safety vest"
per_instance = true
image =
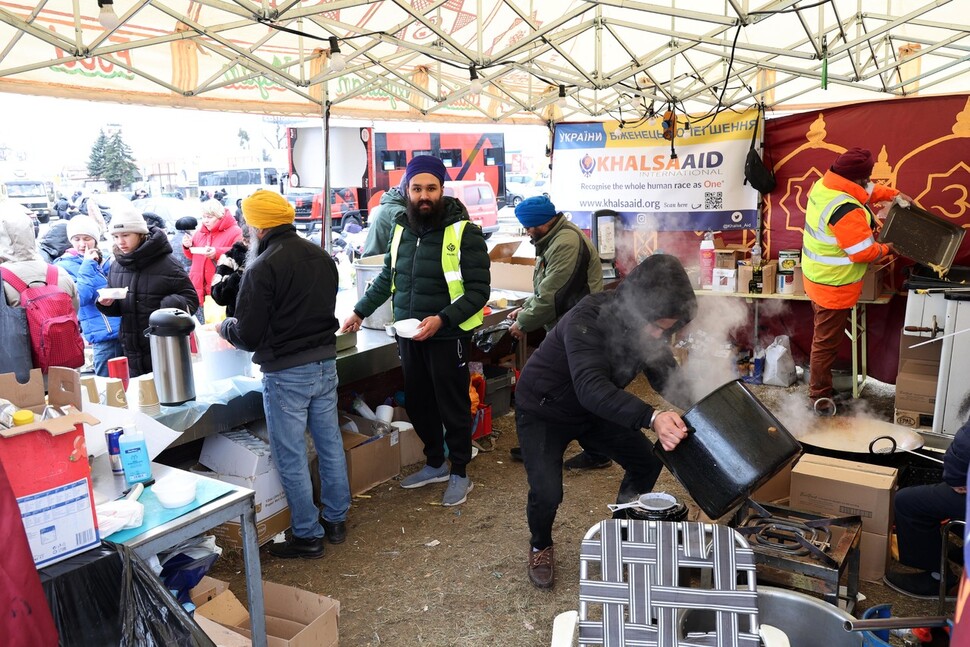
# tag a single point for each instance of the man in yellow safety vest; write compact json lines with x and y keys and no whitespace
{"x":837,"y":245}
{"x":437,"y":272}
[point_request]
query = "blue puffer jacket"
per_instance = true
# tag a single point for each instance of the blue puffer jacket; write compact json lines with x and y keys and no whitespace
{"x":89,"y":277}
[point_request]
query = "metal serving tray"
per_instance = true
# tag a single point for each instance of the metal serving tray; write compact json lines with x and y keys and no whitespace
{"x":922,"y":236}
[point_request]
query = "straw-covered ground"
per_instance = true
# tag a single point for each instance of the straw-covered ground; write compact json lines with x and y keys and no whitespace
{"x":415,"y":573}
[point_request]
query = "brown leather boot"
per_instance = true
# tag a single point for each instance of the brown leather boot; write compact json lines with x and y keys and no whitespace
{"x":542,"y":567}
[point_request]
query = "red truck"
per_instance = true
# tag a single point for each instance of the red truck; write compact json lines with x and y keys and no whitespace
{"x":365,"y":162}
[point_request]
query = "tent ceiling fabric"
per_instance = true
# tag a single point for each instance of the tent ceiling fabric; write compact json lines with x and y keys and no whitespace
{"x":411,"y":59}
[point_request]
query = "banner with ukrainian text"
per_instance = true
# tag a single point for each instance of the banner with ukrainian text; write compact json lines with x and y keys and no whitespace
{"x":695,"y":184}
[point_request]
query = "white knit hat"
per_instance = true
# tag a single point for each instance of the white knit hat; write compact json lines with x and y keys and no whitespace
{"x":124,"y":220}
{"x":213,"y":208}
{"x":83,"y":226}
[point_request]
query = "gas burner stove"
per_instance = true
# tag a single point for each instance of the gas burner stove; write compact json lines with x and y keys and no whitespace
{"x":802,"y":550}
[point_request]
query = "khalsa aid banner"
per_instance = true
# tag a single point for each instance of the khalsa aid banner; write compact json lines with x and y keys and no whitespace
{"x":695,"y":185}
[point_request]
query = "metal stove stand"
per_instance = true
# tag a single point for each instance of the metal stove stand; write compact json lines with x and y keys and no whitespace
{"x":802,"y":550}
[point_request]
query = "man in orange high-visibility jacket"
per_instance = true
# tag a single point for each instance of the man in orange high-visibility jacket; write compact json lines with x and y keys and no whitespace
{"x":837,"y":246}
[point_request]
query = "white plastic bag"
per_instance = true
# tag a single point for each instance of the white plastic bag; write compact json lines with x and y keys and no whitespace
{"x":779,"y":365}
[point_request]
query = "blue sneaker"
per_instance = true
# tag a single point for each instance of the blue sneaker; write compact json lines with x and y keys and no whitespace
{"x":457,"y":491}
{"x":426,"y":475}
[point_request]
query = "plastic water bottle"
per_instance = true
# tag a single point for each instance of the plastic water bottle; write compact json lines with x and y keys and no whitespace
{"x":135,"y":460}
{"x":756,"y":256}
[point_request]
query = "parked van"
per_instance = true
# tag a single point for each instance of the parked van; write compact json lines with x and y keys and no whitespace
{"x":479,"y":199}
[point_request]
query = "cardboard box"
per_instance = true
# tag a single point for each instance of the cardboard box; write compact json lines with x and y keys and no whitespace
{"x":294,"y":618}
{"x":47,"y":465}
{"x":916,"y":386}
{"x":727,"y":256}
{"x":769,"y":273}
{"x":724,"y":280}
{"x":876,"y":280}
{"x":371,"y":458}
{"x":913,"y":419}
{"x":929,"y":353}
{"x":241,"y":458}
{"x":837,"y":487}
{"x":776,"y":488}
{"x":873,"y":556}
{"x":410,"y":444}
{"x":512,"y":268}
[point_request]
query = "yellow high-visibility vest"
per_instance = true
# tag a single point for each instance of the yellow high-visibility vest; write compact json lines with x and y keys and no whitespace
{"x":823,"y":261}
{"x":450,"y":265}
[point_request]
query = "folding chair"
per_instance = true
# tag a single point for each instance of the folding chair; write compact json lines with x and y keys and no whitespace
{"x":631,"y":590}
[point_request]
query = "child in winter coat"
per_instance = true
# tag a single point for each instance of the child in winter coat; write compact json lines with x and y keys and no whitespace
{"x":216,"y":234}
{"x":84,"y":262}
{"x":144,"y":264}
{"x":229,"y":271}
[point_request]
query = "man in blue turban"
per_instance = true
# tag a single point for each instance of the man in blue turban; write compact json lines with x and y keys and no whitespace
{"x":567,"y":269}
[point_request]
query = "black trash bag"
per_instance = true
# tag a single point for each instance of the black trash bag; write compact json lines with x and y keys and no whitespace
{"x":108,"y":596}
{"x":150,"y":616}
{"x":486,"y":338}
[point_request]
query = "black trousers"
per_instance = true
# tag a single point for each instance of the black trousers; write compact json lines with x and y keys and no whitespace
{"x":920,"y":512}
{"x":543,"y":444}
{"x":436,"y":381}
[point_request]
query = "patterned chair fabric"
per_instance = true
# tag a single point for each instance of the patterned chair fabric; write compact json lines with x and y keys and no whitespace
{"x":637,"y":597}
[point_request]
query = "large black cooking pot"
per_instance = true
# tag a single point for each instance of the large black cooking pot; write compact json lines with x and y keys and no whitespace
{"x":734,"y":445}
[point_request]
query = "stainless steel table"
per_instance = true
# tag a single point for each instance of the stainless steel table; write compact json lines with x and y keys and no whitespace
{"x":238,"y":504}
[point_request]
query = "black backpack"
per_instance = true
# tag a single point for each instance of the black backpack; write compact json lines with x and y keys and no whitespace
{"x":756,"y":173}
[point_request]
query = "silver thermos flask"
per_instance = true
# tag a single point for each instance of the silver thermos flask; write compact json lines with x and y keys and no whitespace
{"x":168,"y":334}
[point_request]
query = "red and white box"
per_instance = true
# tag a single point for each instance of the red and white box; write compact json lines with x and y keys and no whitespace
{"x":47,"y":464}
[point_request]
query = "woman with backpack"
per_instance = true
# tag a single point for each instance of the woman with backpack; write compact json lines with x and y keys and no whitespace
{"x":84,"y":262}
{"x":46,"y":292}
{"x":145,"y":265}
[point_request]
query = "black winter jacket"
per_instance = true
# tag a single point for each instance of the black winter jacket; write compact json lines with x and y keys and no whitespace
{"x":420,"y":287}
{"x":957,"y":457}
{"x":155,"y":279}
{"x":582,"y":366}
{"x":285,"y":308}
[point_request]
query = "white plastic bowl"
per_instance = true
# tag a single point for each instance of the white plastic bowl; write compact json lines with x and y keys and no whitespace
{"x":407,"y":328}
{"x":113,"y":293}
{"x":175,"y":490}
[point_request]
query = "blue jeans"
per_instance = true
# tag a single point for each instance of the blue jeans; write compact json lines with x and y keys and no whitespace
{"x":103,"y":351}
{"x":293,"y":399}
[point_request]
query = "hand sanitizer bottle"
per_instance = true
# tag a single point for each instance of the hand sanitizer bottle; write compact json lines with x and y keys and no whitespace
{"x":135,"y":461}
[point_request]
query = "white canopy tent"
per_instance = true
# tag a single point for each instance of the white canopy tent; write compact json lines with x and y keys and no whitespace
{"x":415,"y":59}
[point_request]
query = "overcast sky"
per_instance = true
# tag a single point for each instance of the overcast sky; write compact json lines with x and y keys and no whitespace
{"x":54,"y":133}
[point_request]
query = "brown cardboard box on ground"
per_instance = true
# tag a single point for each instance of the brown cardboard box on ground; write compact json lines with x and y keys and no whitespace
{"x":511,"y":269}
{"x":294,"y":618}
{"x":412,"y":448}
{"x":873,"y":556}
{"x":916,"y":386}
{"x":769,"y":271}
{"x":371,"y":457}
{"x":837,"y":487}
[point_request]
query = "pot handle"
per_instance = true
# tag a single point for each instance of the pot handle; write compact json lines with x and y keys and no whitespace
{"x":878,"y":438}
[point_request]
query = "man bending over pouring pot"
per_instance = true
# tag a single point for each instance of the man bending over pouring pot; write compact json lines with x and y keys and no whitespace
{"x":920,"y":512}
{"x":572,"y":388}
{"x":837,"y":246}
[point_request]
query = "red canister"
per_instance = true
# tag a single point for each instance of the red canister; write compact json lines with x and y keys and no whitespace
{"x":118,"y":367}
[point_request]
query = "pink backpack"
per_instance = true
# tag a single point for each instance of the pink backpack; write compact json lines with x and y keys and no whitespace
{"x":55,"y":334}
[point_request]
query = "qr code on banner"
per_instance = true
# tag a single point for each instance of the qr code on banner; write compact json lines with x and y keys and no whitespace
{"x":713,"y":200}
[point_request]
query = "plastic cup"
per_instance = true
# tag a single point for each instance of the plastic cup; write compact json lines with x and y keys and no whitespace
{"x":385,"y":413}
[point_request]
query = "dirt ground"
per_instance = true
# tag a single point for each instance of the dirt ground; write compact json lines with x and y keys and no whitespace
{"x":414,"y":573}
